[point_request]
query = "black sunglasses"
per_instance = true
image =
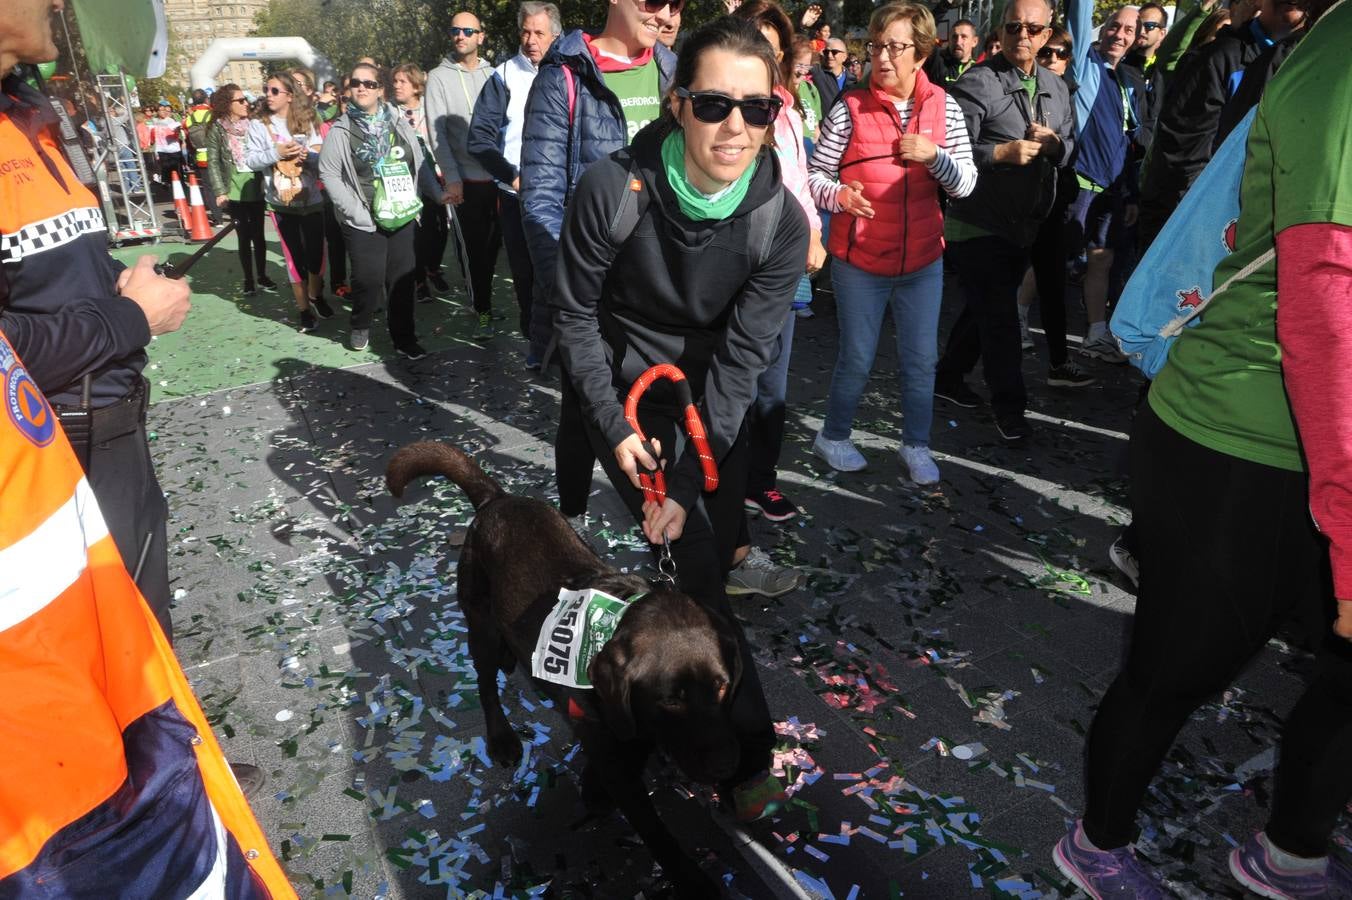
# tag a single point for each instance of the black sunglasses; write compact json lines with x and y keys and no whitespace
{"x":369,"y":85}
{"x":467,"y":32}
{"x":1034,"y":29}
{"x":1151,"y":26}
{"x":274,"y":91}
{"x":1058,"y":52}
{"x":655,"y":6}
{"x":712,"y":107}
{"x":832,"y":52}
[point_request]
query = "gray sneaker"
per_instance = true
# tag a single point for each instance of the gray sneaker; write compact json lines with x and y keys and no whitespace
{"x":758,"y":574}
{"x":361,"y":338}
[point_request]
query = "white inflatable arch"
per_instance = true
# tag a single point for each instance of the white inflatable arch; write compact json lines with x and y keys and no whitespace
{"x":224,"y":50}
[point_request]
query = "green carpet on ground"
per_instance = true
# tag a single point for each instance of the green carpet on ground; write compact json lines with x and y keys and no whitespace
{"x":230,"y":340}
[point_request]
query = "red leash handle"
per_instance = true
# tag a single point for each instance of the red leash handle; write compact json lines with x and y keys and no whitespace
{"x":654,"y":485}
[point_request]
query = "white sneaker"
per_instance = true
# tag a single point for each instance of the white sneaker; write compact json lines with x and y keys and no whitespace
{"x":361,"y":338}
{"x":1125,"y":561}
{"x":920,"y":465}
{"x":842,"y":456}
{"x":1103,"y":347}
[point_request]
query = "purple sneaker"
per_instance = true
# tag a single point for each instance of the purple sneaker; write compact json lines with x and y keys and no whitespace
{"x":1104,"y":873}
{"x":1254,"y":868}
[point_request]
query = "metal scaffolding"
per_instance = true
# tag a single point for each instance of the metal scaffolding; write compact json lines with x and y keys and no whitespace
{"x":124,"y":185}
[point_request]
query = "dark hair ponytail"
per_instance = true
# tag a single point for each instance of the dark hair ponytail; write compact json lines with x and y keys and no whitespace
{"x":737,"y":36}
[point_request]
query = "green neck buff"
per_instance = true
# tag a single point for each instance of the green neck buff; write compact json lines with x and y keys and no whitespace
{"x":694,"y":204}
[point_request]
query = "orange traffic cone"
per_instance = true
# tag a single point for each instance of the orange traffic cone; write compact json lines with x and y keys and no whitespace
{"x":201,"y":228}
{"x":180,"y":201}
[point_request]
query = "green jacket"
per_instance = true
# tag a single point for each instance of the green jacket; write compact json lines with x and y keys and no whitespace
{"x":223,"y":175}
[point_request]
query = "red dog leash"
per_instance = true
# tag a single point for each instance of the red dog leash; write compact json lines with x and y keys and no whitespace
{"x":654,"y":485}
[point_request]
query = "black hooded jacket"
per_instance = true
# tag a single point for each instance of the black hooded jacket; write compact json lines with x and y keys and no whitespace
{"x":677,"y":291}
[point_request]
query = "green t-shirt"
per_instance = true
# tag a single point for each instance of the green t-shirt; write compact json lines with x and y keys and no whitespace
{"x":1222,"y":386}
{"x":812,"y":109}
{"x":638,"y":92}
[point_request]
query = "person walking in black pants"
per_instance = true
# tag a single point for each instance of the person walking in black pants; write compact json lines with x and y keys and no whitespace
{"x":1022,"y":128}
{"x":1243,"y":520}
{"x":688,"y":287}
{"x":238,"y":189}
{"x":495,"y":141}
{"x":452,"y":89}
{"x":373,"y":166}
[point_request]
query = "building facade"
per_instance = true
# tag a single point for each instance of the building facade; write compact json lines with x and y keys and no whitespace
{"x":194,"y":24}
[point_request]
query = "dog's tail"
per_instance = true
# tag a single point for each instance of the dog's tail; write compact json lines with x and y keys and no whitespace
{"x":434,"y":458}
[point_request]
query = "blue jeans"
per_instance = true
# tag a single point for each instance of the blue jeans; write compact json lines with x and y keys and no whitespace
{"x":861,"y":301}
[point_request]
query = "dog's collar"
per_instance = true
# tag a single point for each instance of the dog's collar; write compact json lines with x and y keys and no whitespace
{"x":573,"y":633}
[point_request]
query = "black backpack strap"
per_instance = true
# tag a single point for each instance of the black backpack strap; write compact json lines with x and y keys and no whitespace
{"x":633,"y":204}
{"x":764,"y":222}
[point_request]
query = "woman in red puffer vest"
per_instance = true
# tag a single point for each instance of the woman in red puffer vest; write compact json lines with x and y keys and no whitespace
{"x":881,"y":157}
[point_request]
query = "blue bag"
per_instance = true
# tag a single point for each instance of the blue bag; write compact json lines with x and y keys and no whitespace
{"x":1168,"y":292}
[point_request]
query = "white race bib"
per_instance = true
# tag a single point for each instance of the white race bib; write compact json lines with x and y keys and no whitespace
{"x":573,"y":633}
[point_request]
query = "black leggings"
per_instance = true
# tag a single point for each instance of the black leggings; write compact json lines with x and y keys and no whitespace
{"x":1227,"y":553}
{"x":714,"y":529}
{"x":382,"y":273}
{"x":433,"y":227}
{"x":248,"y":216}
{"x":303,"y":234}
{"x":333,"y":237}
{"x":573,"y":456}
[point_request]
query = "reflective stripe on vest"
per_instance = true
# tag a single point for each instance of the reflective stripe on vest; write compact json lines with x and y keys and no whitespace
{"x":906,"y":231}
{"x":106,"y":753}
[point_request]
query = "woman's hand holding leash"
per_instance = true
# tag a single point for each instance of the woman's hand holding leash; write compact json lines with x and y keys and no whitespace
{"x":666,"y":520}
{"x":630,"y":454}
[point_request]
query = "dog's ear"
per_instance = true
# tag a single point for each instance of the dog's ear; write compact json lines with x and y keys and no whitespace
{"x":610,"y":678}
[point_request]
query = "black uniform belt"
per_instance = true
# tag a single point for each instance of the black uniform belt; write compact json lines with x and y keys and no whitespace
{"x":98,"y":426}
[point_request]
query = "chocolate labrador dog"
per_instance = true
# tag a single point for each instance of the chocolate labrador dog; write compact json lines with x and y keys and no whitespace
{"x":664,"y":679}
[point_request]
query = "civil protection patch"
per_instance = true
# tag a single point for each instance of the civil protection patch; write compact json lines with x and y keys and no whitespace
{"x":24,"y":403}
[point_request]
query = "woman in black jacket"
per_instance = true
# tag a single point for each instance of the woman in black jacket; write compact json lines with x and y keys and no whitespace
{"x":704,"y":280}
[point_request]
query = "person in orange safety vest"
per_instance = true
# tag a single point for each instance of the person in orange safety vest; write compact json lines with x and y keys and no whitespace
{"x":111,"y":782}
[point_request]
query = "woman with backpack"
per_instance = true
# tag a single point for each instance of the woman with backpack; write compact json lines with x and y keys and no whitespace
{"x":373,"y":166}
{"x":284,"y":145}
{"x":700,"y":268}
{"x":237,"y":188}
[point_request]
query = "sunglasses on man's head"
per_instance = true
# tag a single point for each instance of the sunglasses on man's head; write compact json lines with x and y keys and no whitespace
{"x":1033,"y":28}
{"x":712,"y":107}
{"x":1151,"y":26}
{"x":363,"y":83}
{"x":655,"y":6}
{"x":456,"y":31}
{"x":274,"y":90}
{"x":1058,"y":52}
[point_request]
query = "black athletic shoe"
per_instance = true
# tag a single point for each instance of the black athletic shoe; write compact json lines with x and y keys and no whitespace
{"x":1013,"y":428}
{"x":438,"y":283}
{"x":957,"y":392}
{"x":321,"y":307}
{"x":412,"y":350}
{"x":249,"y":289}
{"x":772,"y":504}
{"x":267,"y":284}
{"x":424,"y":293}
{"x":308,"y":322}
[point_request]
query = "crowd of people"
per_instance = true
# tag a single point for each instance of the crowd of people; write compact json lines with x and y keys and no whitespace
{"x":680,"y":198}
